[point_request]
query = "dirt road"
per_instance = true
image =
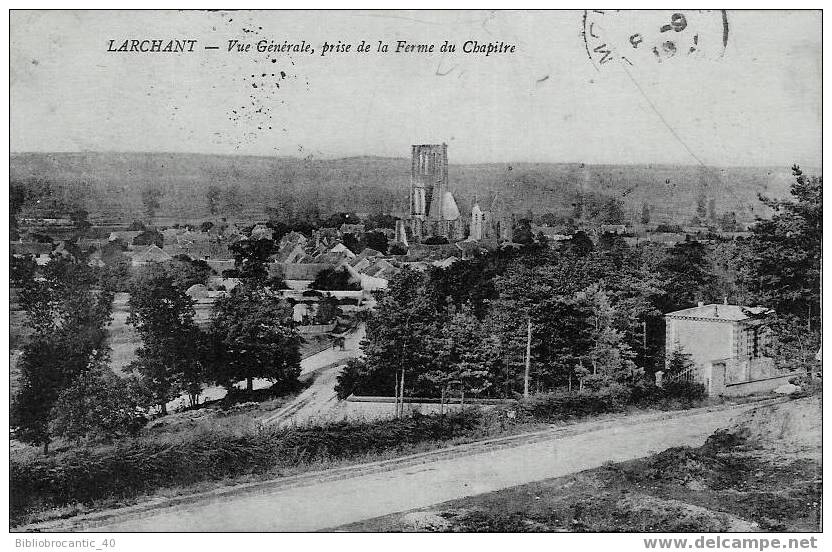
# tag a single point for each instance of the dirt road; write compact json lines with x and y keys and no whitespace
{"x":320,"y":502}
{"x":326,"y":357}
{"x":318,"y":399}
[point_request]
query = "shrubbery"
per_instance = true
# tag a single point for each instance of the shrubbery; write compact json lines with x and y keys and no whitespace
{"x":137,"y":466}
{"x":685,"y":390}
{"x":613,"y":397}
{"x":560,"y":405}
{"x":141,"y":465}
{"x":350,"y":378}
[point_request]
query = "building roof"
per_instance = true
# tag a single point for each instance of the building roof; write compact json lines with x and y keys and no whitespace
{"x":342,"y":249}
{"x":368,"y":252}
{"x":294,"y":238}
{"x":614,"y":228}
{"x":289,"y":252}
{"x":188,"y":238}
{"x":351,"y":228}
{"x":721,"y":312}
{"x":152,"y":255}
{"x":297,"y":271}
{"x":378,"y":266}
{"x":220,"y":265}
{"x":450,"y":211}
{"x":449,"y":208}
{"x":261,"y":232}
{"x":170,"y":233}
{"x":31,"y":248}
{"x":197,"y":290}
{"x":126,"y":235}
{"x":445,"y":263}
{"x":174,"y":249}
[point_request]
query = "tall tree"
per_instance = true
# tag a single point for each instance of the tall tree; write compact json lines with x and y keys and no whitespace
{"x":251,"y":257}
{"x":97,"y":404}
{"x":396,"y":341}
{"x":334,"y":279}
{"x":545,"y":295}
{"x":612,"y":211}
{"x":68,"y":321}
{"x":169,"y":358}
{"x":713,"y":216}
{"x":645,"y":214}
{"x":462,"y":357}
{"x":150,"y":198}
{"x":376,"y":240}
{"x":254,"y":337}
{"x":212,"y":198}
{"x":701,"y":208}
{"x":687,"y":276}
{"x":17,"y":198}
{"x":150,"y":237}
{"x":783,"y":265}
{"x":22,"y":270}
{"x":79,"y":217}
{"x":610,"y":356}
{"x":581,"y":244}
{"x":784,"y":252}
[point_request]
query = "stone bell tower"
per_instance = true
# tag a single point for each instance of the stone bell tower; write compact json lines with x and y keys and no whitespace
{"x":428,"y":183}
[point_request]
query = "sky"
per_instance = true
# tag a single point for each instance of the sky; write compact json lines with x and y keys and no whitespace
{"x":757,"y":101}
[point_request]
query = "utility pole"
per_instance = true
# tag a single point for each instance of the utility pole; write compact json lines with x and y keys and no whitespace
{"x":400,"y":381}
{"x":396,"y":393}
{"x":528,"y":359}
{"x":401,"y":394}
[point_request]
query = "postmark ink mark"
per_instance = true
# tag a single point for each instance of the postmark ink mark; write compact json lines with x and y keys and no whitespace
{"x":635,"y":37}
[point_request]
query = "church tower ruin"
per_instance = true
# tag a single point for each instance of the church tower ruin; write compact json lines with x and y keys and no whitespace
{"x":433,"y":209}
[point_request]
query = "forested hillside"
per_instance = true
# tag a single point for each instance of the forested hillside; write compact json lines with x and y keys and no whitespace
{"x":116,"y":187}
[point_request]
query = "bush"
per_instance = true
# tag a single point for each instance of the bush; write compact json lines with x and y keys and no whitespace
{"x":98,"y":405}
{"x":143,"y":465}
{"x":235,"y":395}
{"x":332,"y":279}
{"x":685,"y":390}
{"x":350,"y":378}
{"x":646,"y":393}
{"x":561,"y":405}
{"x":436,"y":240}
{"x":397,"y":248}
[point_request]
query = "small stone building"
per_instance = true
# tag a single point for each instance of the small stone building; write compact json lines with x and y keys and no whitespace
{"x":730,"y":346}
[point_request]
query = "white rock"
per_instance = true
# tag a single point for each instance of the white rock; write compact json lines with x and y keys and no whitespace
{"x":787,"y":389}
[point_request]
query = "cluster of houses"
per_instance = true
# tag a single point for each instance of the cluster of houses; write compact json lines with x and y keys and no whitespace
{"x":299,"y":260}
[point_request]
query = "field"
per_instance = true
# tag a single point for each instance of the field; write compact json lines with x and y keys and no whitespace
{"x":110,"y":185}
{"x":762,"y":474}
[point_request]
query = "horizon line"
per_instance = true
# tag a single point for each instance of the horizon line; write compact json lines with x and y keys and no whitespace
{"x":343,"y":157}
